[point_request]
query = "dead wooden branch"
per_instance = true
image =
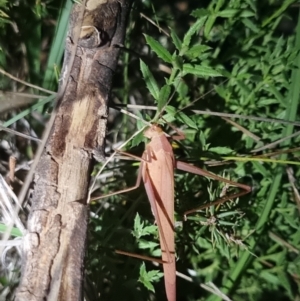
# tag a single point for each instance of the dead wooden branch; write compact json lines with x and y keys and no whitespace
{"x":55,"y":244}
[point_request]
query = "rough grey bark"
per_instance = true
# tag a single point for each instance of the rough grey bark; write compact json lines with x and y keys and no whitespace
{"x":55,"y":244}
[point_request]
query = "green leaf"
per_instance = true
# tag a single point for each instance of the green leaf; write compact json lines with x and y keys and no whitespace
{"x":177,"y":62}
{"x":138,"y":226}
{"x":209,"y":25}
{"x":202,"y":138}
{"x":221,"y":150}
{"x":269,"y":277}
{"x":200,"y":70}
{"x":186,"y":120}
{"x":146,"y":244}
{"x":221,"y":91}
{"x":150,"y":81}
{"x":137,"y":139}
{"x":176,"y":41}
{"x":160,"y":51}
{"x":146,"y":278}
{"x":182,"y":89}
{"x":285,"y":282}
{"x":149,"y":230}
{"x":228,"y":13}
{"x":251,"y":25}
{"x":164,"y":94}
{"x":192,"y":30}
{"x":170,"y":110}
{"x":155,"y":275}
{"x":140,"y":230}
{"x":200,"y":12}
{"x":247,"y":13}
{"x":196,"y":50}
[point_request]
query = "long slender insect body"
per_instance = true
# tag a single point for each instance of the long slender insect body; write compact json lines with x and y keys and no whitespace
{"x":158,"y":176}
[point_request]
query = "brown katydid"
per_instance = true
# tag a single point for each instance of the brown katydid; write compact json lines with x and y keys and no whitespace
{"x":157,"y":171}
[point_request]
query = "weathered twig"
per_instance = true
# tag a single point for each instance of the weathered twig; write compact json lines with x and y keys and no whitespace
{"x":55,"y":244}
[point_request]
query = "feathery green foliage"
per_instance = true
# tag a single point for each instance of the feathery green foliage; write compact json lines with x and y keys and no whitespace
{"x":235,"y":56}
